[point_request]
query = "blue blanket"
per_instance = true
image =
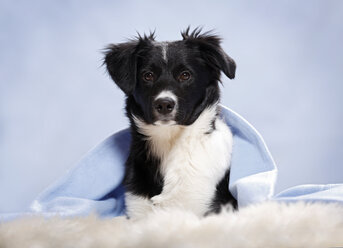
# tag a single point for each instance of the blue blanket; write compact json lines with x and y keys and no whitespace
{"x":94,"y":184}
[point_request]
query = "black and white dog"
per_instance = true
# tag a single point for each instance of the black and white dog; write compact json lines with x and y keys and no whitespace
{"x":180,"y":149}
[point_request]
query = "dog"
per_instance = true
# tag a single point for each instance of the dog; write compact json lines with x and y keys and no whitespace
{"x":180,"y":147}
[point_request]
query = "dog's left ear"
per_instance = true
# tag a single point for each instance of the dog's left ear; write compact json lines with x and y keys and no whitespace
{"x":211,"y":51}
{"x":216,"y":57}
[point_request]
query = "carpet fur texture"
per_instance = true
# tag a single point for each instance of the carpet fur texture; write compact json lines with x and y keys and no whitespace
{"x":268,"y":224}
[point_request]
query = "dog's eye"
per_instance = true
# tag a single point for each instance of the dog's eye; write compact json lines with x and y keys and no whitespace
{"x":148,"y":76}
{"x":184,"y":76}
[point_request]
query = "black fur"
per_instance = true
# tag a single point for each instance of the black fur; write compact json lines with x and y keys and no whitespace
{"x":223,"y":195}
{"x":198,"y":53}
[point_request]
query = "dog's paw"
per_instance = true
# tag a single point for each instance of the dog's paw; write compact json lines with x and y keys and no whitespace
{"x":157,"y":200}
{"x":164,"y":200}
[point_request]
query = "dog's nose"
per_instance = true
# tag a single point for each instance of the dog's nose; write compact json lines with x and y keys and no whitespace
{"x":164,"y":105}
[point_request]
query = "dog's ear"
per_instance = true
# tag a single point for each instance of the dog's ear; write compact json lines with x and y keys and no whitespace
{"x":211,"y":51}
{"x":121,"y":61}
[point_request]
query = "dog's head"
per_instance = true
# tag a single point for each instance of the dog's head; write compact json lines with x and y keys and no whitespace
{"x":169,"y":82}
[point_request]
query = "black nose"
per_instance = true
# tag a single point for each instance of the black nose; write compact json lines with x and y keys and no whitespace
{"x":164,"y":105}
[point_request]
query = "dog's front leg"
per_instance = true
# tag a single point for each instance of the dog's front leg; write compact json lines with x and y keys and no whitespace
{"x":172,"y":190}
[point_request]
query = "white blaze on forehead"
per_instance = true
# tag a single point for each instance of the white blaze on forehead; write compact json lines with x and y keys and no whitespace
{"x":167,"y":93}
{"x":164,"y":47}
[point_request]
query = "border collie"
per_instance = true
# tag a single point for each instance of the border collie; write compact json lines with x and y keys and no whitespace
{"x":180,"y":149}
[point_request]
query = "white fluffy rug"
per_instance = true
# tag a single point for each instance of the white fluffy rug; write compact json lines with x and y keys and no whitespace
{"x":263,"y":225}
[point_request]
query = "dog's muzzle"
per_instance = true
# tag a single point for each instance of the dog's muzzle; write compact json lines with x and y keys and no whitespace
{"x":164,"y":106}
{"x":164,"y":111}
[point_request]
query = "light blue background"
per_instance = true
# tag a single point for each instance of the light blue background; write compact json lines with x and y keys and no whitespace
{"x":56,"y":101}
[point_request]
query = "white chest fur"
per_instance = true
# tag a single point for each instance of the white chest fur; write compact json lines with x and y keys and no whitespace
{"x":193,"y":161}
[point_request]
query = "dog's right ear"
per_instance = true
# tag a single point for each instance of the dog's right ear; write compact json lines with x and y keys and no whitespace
{"x":120,"y":61}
